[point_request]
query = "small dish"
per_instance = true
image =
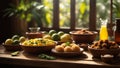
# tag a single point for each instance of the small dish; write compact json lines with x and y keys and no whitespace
{"x":68,"y":54}
{"x":107,"y":58}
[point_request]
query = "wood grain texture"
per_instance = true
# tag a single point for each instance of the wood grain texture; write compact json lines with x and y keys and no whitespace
{"x":25,"y":59}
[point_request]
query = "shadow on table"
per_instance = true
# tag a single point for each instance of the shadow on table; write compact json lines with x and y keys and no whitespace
{"x":79,"y":57}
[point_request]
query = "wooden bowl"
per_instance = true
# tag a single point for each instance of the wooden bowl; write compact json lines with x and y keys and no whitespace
{"x":37,"y":49}
{"x":96,"y":53}
{"x":83,"y":38}
{"x":12,"y":47}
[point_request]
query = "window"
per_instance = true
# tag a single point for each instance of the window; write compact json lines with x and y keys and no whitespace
{"x":76,"y":14}
{"x":103,"y":11}
{"x":82,"y":13}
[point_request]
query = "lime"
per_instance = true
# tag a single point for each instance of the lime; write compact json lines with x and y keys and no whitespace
{"x":22,"y":39}
{"x":56,"y":37}
{"x":47,"y":37}
{"x":45,"y":32}
{"x":60,"y":33}
{"x":51,"y":32}
{"x":8,"y":41}
{"x":15,"y":37}
{"x":65,"y":38}
{"x":15,"y":42}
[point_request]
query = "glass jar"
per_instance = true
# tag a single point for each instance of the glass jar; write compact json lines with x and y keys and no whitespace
{"x":34,"y":33}
{"x":117,"y":31}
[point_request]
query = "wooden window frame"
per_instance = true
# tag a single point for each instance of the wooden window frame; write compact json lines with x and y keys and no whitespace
{"x":92,"y":16}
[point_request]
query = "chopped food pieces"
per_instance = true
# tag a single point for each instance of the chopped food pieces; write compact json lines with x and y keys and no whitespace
{"x":39,"y":42}
{"x":105,"y":45}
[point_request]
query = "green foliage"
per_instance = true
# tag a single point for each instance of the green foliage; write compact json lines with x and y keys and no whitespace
{"x":116,"y":7}
{"x":16,"y":53}
{"x":26,"y":10}
{"x":45,"y":56}
{"x":82,"y":8}
{"x":103,"y":11}
{"x":47,"y":13}
{"x":82,"y":12}
{"x":82,"y":15}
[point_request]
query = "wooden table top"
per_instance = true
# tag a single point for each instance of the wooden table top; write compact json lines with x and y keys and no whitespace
{"x":84,"y":60}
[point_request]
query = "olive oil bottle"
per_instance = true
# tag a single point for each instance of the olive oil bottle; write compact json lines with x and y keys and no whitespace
{"x":103,"y":30}
{"x":117,"y":31}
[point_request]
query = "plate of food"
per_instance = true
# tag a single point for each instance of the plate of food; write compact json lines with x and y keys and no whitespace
{"x":38,"y":45}
{"x":67,"y":50}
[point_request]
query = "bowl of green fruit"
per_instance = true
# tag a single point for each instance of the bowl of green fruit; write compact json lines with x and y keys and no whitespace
{"x":13,"y":44}
{"x":58,"y":36}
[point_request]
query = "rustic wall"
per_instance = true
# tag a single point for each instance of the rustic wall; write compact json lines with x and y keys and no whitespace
{"x":5,"y":27}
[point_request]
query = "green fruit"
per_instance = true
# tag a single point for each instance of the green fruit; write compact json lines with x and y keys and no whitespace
{"x":45,"y":32}
{"x":15,"y":37}
{"x":15,"y":42}
{"x":8,"y":41}
{"x":47,"y":37}
{"x":56,"y":37}
{"x":22,"y":39}
{"x":51,"y":32}
{"x":65,"y":38}
{"x":60,"y":33}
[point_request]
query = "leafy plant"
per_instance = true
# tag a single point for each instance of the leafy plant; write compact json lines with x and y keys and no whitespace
{"x":27,"y":10}
{"x":116,"y":11}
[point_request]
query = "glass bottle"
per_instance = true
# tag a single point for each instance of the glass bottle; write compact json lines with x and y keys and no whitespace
{"x":117,"y":31}
{"x":103,"y":30}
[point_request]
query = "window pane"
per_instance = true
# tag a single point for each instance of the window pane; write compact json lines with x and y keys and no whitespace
{"x":103,"y":11}
{"x":64,"y":13}
{"x":82,"y":13}
{"x":48,"y":13}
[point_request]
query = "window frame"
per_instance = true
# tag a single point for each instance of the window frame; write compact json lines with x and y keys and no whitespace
{"x":92,"y":16}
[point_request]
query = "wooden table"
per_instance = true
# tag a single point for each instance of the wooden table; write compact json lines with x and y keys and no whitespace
{"x":85,"y":61}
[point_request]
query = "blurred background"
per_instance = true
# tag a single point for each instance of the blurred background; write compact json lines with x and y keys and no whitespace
{"x":16,"y":16}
